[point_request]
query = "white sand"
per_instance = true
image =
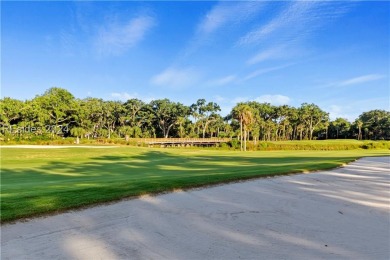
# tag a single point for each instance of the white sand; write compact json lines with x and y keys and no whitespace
{"x":339,"y":214}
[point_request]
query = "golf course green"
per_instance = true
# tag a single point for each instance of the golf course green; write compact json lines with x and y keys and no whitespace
{"x":41,"y":181}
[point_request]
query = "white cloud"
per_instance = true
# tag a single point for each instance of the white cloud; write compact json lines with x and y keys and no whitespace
{"x":176,"y":78}
{"x":351,"y":108}
{"x":267,"y":54}
{"x":68,"y":43}
{"x":347,"y":112}
{"x":285,"y":35}
{"x":115,"y":38}
{"x":296,"y":12}
{"x":225,"y":110}
{"x":336,"y":111}
{"x":264,"y":71}
{"x":361,"y":79}
{"x":239,"y":100}
{"x":353,"y":81}
{"x":299,"y":19}
{"x":278,"y":52}
{"x":274,"y":99}
{"x":123,"y":96}
{"x":218,"y":98}
{"x":228,"y":13}
{"x":222,"y":15}
{"x":222,"y":81}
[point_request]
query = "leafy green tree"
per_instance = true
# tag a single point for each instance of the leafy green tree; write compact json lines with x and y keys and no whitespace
{"x":167,"y":113}
{"x":339,"y":128}
{"x":204,"y":113}
{"x":92,"y":117}
{"x":216,"y":126}
{"x":134,"y":112}
{"x":376,"y":124}
{"x":58,"y":103}
{"x":112,"y":111}
{"x":10,"y":111}
{"x":264,"y":117}
{"x":312,"y":116}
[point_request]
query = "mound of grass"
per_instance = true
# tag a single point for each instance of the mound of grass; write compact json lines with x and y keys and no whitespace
{"x":323,"y":145}
{"x":41,"y":181}
{"x":234,"y":144}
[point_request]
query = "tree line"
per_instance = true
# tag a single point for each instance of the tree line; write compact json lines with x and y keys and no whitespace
{"x":97,"y":118}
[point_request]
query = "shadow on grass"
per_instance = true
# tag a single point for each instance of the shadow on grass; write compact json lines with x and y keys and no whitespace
{"x":62,"y":185}
{"x":320,"y":216}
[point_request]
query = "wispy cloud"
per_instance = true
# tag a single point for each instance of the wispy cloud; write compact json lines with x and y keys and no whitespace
{"x":285,"y":35}
{"x":123,"y":96}
{"x":239,"y":100}
{"x":352,"y":109}
{"x":278,"y":52}
{"x":68,"y":43}
{"x":274,"y":99}
{"x":219,"y":98}
{"x":361,"y":79}
{"x":270,"y":53}
{"x":336,"y":111}
{"x":265,"y":70}
{"x":228,"y":13}
{"x":353,"y":81}
{"x":114,"y":38}
{"x":222,"y":81}
{"x":222,"y":16}
{"x":297,"y":20}
{"x":176,"y":78}
{"x":294,"y":15}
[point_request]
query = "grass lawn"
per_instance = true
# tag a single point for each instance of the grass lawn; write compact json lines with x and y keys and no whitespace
{"x":39,"y":181}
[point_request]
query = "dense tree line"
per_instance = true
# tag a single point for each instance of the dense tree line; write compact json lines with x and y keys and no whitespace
{"x":58,"y":113}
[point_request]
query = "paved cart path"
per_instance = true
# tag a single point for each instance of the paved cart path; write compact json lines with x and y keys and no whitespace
{"x":338,"y":214}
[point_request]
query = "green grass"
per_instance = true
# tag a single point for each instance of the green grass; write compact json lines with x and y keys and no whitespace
{"x":40,"y":181}
{"x":324,"y":145}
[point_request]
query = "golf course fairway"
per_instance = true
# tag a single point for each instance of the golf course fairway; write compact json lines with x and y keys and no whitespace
{"x":41,"y":181}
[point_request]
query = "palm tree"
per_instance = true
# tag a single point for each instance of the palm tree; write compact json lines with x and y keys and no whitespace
{"x":181,"y":120}
{"x":78,"y":132}
{"x":244,"y":114}
{"x":359,"y":124}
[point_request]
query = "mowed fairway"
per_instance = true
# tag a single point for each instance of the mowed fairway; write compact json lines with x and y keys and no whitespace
{"x":39,"y":181}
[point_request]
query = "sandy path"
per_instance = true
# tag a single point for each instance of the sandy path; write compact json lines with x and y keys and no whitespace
{"x":339,"y":214}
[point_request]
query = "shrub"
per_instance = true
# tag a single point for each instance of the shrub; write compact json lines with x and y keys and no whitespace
{"x":224,"y":146}
{"x":234,"y":143}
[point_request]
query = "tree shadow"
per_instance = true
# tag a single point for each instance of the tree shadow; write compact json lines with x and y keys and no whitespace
{"x":61,"y":185}
{"x":309,"y":216}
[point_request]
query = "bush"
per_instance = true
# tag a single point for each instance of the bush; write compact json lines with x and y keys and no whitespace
{"x":376,"y":145}
{"x":234,"y":143}
{"x":224,"y":145}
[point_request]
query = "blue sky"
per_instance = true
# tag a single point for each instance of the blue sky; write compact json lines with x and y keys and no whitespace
{"x":333,"y":54}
